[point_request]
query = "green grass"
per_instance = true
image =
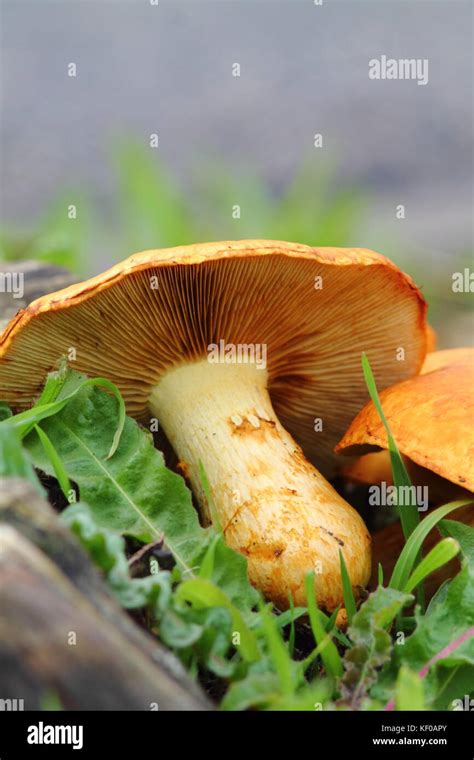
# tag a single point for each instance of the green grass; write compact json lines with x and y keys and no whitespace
{"x":205,"y":610}
{"x":149,"y":210}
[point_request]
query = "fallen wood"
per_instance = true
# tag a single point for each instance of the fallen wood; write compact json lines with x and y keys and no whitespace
{"x":24,"y":281}
{"x":50,"y":596}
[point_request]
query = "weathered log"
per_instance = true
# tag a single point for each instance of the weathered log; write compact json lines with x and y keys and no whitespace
{"x":26,"y":280}
{"x":50,"y":595}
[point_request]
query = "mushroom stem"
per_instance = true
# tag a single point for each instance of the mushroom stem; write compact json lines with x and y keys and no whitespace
{"x":272,"y":505}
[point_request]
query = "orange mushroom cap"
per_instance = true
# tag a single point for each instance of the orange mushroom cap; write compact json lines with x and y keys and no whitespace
{"x":431,"y":418}
{"x":159,"y":308}
{"x":431,"y":338}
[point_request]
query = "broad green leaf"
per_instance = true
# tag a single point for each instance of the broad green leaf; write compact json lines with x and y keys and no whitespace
{"x":463,"y":534}
{"x":442,"y":645}
{"x":231,"y":575}
{"x":261,"y":690}
{"x":206,"y":633}
{"x":5,"y":411}
{"x":177,"y":632}
{"x":452,"y":687}
{"x":215,"y":641}
{"x":256,"y":690}
{"x":132,"y":492}
{"x":372,"y":644}
{"x":312,"y":697}
{"x":107,"y":550}
{"x":73,"y":385}
{"x":441,"y":648}
{"x":202,"y":593}
{"x":409,"y":692}
{"x":447,"y":629}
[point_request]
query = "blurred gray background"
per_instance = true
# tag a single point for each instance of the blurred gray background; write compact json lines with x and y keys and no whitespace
{"x":304,"y":69}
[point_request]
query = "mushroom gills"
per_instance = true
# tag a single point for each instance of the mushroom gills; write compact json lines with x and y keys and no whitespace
{"x":272,"y":505}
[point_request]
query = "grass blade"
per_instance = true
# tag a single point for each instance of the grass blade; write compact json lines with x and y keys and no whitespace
{"x":207,"y":565}
{"x":380,"y":574}
{"x":278,"y":651}
{"x":439,"y":555}
{"x":14,"y":462}
{"x":348,"y":593}
{"x":409,"y":517}
{"x":291,"y":638}
{"x":56,"y":462}
{"x":410,"y":552}
{"x":210,"y":501}
{"x":51,"y":390}
{"x":329,"y":655}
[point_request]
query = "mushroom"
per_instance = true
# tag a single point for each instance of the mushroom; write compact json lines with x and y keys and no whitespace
{"x":236,"y":347}
{"x":376,"y":468}
{"x":432,"y":420}
{"x":431,"y":417}
{"x":431,"y":338}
